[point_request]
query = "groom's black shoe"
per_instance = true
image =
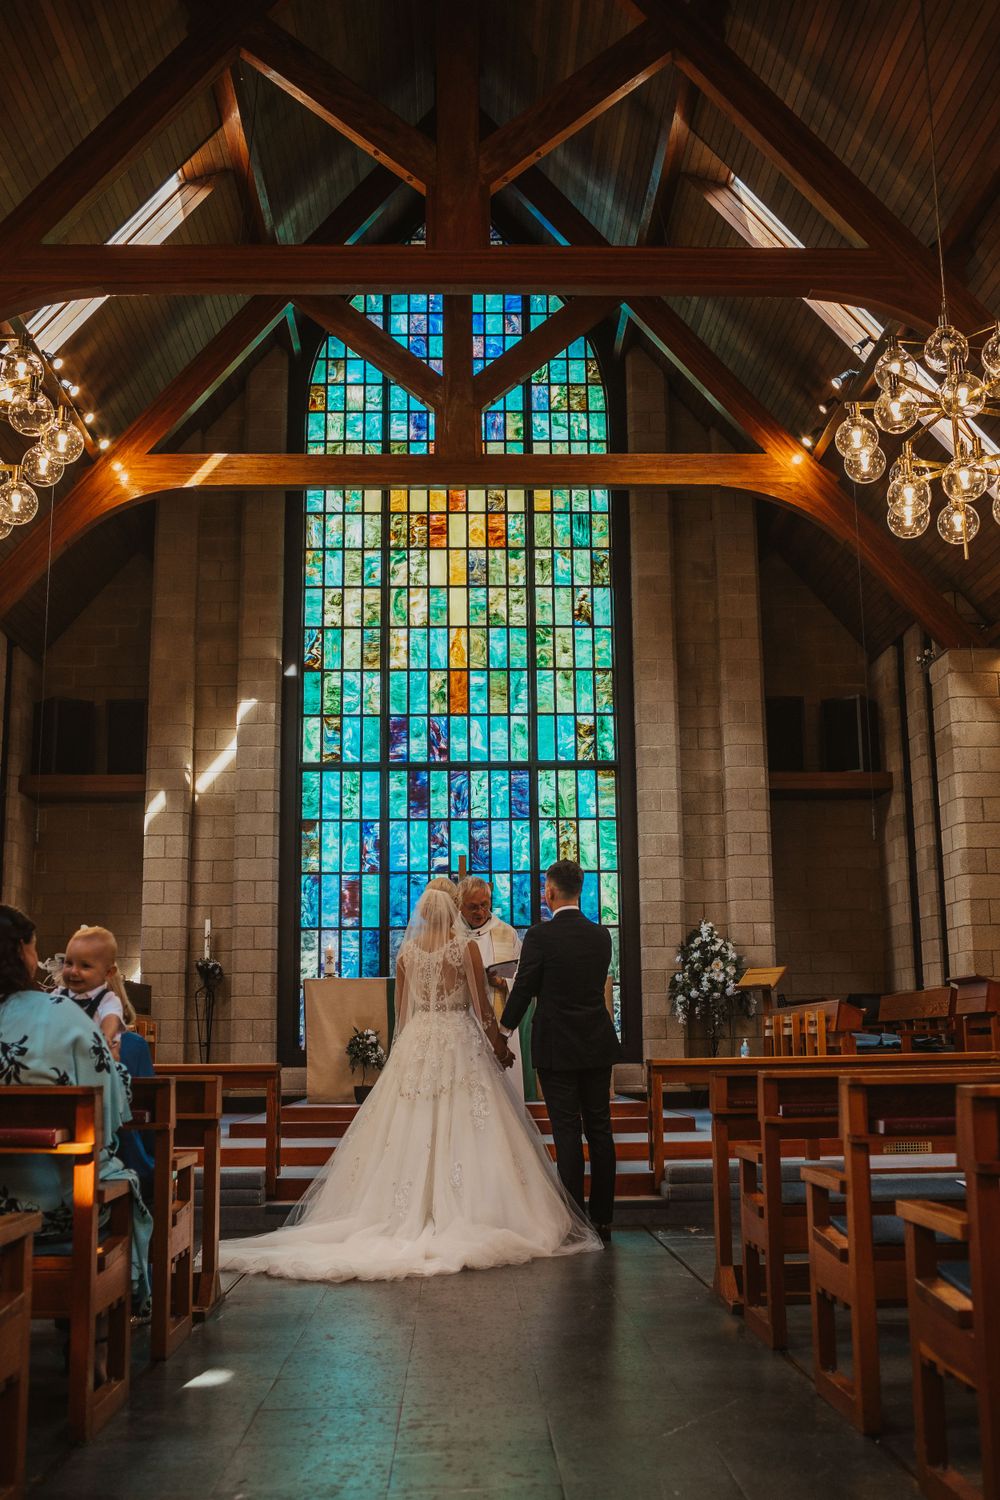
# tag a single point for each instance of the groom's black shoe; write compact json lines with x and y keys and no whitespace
{"x":604,"y":1230}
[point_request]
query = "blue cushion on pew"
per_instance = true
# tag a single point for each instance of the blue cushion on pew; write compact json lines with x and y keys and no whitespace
{"x":887,"y":1186}
{"x":869,"y":1041}
{"x":958,"y":1274}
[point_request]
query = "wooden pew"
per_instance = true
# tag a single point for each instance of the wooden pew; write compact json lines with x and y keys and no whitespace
{"x":977,"y":1014}
{"x":812,"y":1029}
{"x":172,"y":1244}
{"x":801,"y":1107}
{"x":909,"y":1014}
{"x":955,"y":1307}
{"x":856,"y":1247}
{"x":243,"y":1078}
{"x":147,"y":1028}
{"x":93,"y":1276}
{"x":16,"y":1231}
{"x":732,"y":1097}
{"x":198,"y":1127}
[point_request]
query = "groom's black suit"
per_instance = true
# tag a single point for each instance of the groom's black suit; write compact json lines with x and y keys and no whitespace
{"x":564,"y":964}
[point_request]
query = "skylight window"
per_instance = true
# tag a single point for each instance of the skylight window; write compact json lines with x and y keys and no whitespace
{"x":152,"y":224}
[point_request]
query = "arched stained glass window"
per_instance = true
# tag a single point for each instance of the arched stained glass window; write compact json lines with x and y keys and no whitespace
{"x":459,"y":655}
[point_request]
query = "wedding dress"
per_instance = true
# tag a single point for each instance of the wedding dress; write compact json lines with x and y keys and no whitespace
{"x":442,"y":1168}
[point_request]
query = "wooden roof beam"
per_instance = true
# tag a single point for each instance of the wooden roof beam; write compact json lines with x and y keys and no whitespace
{"x":572,"y":104}
{"x":959,"y":236}
{"x":124,"y":134}
{"x":366,"y":338}
{"x":55,"y":273}
{"x":818,"y":174}
{"x":250,"y":182}
{"x":813,"y":489}
{"x":536,"y":348}
{"x":340,"y":102}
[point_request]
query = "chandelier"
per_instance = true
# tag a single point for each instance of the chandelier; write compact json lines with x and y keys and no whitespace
{"x":911,"y":403}
{"x":941,"y":393}
{"x":57,"y":439}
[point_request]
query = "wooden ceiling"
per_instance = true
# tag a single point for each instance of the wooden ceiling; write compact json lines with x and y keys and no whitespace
{"x":636,"y":173}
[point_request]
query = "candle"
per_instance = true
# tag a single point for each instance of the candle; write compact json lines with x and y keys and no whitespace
{"x":328,"y":969}
{"x":208,"y":937}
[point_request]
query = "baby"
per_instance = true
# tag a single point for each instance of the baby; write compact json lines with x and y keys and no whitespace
{"x":90,"y":976}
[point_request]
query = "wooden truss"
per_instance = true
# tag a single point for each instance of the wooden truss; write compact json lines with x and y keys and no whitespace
{"x":458,"y":170}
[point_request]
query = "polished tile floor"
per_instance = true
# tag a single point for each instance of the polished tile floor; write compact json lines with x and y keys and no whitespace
{"x":615,"y":1374}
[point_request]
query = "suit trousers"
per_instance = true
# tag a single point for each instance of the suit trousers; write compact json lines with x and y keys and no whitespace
{"x":580,"y":1098}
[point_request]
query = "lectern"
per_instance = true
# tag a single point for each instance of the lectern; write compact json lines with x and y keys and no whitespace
{"x":765,"y":980}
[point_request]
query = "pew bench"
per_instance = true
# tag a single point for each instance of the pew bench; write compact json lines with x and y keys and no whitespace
{"x":918,"y":1018}
{"x":801,"y":1108}
{"x":198,"y":1128}
{"x":246,"y":1078}
{"x":815,"y":1028}
{"x":856,"y":1240}
{"x":16,"y":1231}
{"x":87,"y":1277}
{"x":955,"y":1306}
{"x":172,"y":1244}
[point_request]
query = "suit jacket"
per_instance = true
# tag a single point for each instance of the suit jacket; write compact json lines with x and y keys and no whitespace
{"x":564,"y":963}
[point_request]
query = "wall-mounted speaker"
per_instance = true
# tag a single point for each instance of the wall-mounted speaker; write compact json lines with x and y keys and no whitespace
{"x":786,"y":739}
{"x":64,"y":737}
{"x":849,"y":738}
{"x":126,"y":719}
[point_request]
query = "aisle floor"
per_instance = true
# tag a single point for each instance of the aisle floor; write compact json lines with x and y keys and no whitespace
{"x":612,"y":1374}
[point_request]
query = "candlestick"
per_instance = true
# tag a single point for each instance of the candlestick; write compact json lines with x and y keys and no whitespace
{"x":208,"y":937}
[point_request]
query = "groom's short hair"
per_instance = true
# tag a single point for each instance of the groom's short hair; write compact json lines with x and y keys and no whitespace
{"x":567,"y":877}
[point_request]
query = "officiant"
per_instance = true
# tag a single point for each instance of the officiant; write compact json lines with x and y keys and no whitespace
{"x":498,"y":943}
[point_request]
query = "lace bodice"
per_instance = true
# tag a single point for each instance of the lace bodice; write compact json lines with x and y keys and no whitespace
{"x":435,"y":978}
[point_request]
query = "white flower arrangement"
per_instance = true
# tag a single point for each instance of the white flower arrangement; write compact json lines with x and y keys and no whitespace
{"x":364,"y":1051}
{"x":704,"y":988}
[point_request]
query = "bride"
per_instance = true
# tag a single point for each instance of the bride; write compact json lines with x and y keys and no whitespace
{"x":442,"y":1167}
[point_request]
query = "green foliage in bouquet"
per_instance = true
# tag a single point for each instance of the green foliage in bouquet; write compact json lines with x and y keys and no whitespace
{"x":364,"y":1051}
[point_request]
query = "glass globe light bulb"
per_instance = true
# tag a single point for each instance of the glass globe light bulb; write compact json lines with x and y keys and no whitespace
{"x":964,"y":479}
{"x":962,"y":394}
{"x":39,"y":466}
{"x":18,"y":502}
{"x":855,"y":434}
{"x":996,"y":510}
{"x":63,"y":440}
{"x":958,"y":524}
{"x":20,"y":365}
{"x":866,"y":466}
{"x":895,"y":364}
{"x":6,"y":526}
{"x":943,"y":345}
{"x":913,"y":494}
{"x":30,"y":415}
{"x":895,"y":411}
{"x":990,"y":354}
{"x":905,"y":522}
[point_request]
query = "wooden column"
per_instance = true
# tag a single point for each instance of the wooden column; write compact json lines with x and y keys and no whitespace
{"x":458,"y":212}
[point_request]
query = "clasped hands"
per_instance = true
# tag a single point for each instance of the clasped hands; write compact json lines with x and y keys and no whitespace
{"x":505,"y":1057}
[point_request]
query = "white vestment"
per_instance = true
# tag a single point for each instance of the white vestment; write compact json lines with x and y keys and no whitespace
{"x":498,"y":942}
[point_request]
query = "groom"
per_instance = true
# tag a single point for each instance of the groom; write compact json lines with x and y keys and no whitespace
{"x":564,"y":964}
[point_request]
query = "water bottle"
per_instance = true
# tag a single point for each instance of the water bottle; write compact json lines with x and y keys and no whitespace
{"x":744,"y":1048}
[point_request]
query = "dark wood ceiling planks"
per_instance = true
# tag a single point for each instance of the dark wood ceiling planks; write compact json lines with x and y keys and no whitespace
{"x":852,"y":72}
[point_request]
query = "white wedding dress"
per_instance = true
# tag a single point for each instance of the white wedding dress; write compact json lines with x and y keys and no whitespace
{"x":442,"y":1168}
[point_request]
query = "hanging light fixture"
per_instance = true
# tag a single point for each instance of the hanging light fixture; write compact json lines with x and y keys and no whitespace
{"x":58,"y":438}
{"x":922,"y":384}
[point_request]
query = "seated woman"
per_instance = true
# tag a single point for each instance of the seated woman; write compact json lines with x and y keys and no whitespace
{"x":49,"y":1040}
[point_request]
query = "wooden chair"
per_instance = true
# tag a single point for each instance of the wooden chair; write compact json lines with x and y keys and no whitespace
{"x":813,"y":1029}
{"x":955,"y":1306}
{"x":89,"y":1276}
{"x":856,"y":1249}
{"x":16,"y":1231}
{"x":147,"y":1028}
{"x":172,"y":1245}
{"x":198,"y":1114}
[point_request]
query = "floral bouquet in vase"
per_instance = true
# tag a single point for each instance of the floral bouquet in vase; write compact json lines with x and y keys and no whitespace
{"x":704,"y":986}
{"x":365,"y":1051}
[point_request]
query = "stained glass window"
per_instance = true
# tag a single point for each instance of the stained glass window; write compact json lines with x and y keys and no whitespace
{"x":459,"y":657}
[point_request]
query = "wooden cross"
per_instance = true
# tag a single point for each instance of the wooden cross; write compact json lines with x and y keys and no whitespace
{"x":461,"y":867}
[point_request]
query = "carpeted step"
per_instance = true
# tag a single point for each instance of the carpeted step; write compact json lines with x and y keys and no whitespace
{"x":238,"y":1186}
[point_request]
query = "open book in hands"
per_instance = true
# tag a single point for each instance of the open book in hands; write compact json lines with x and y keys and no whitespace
{"x":498,"y":972}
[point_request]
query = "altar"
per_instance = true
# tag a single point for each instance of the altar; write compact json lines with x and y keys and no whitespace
{"x":333,"y":1008}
